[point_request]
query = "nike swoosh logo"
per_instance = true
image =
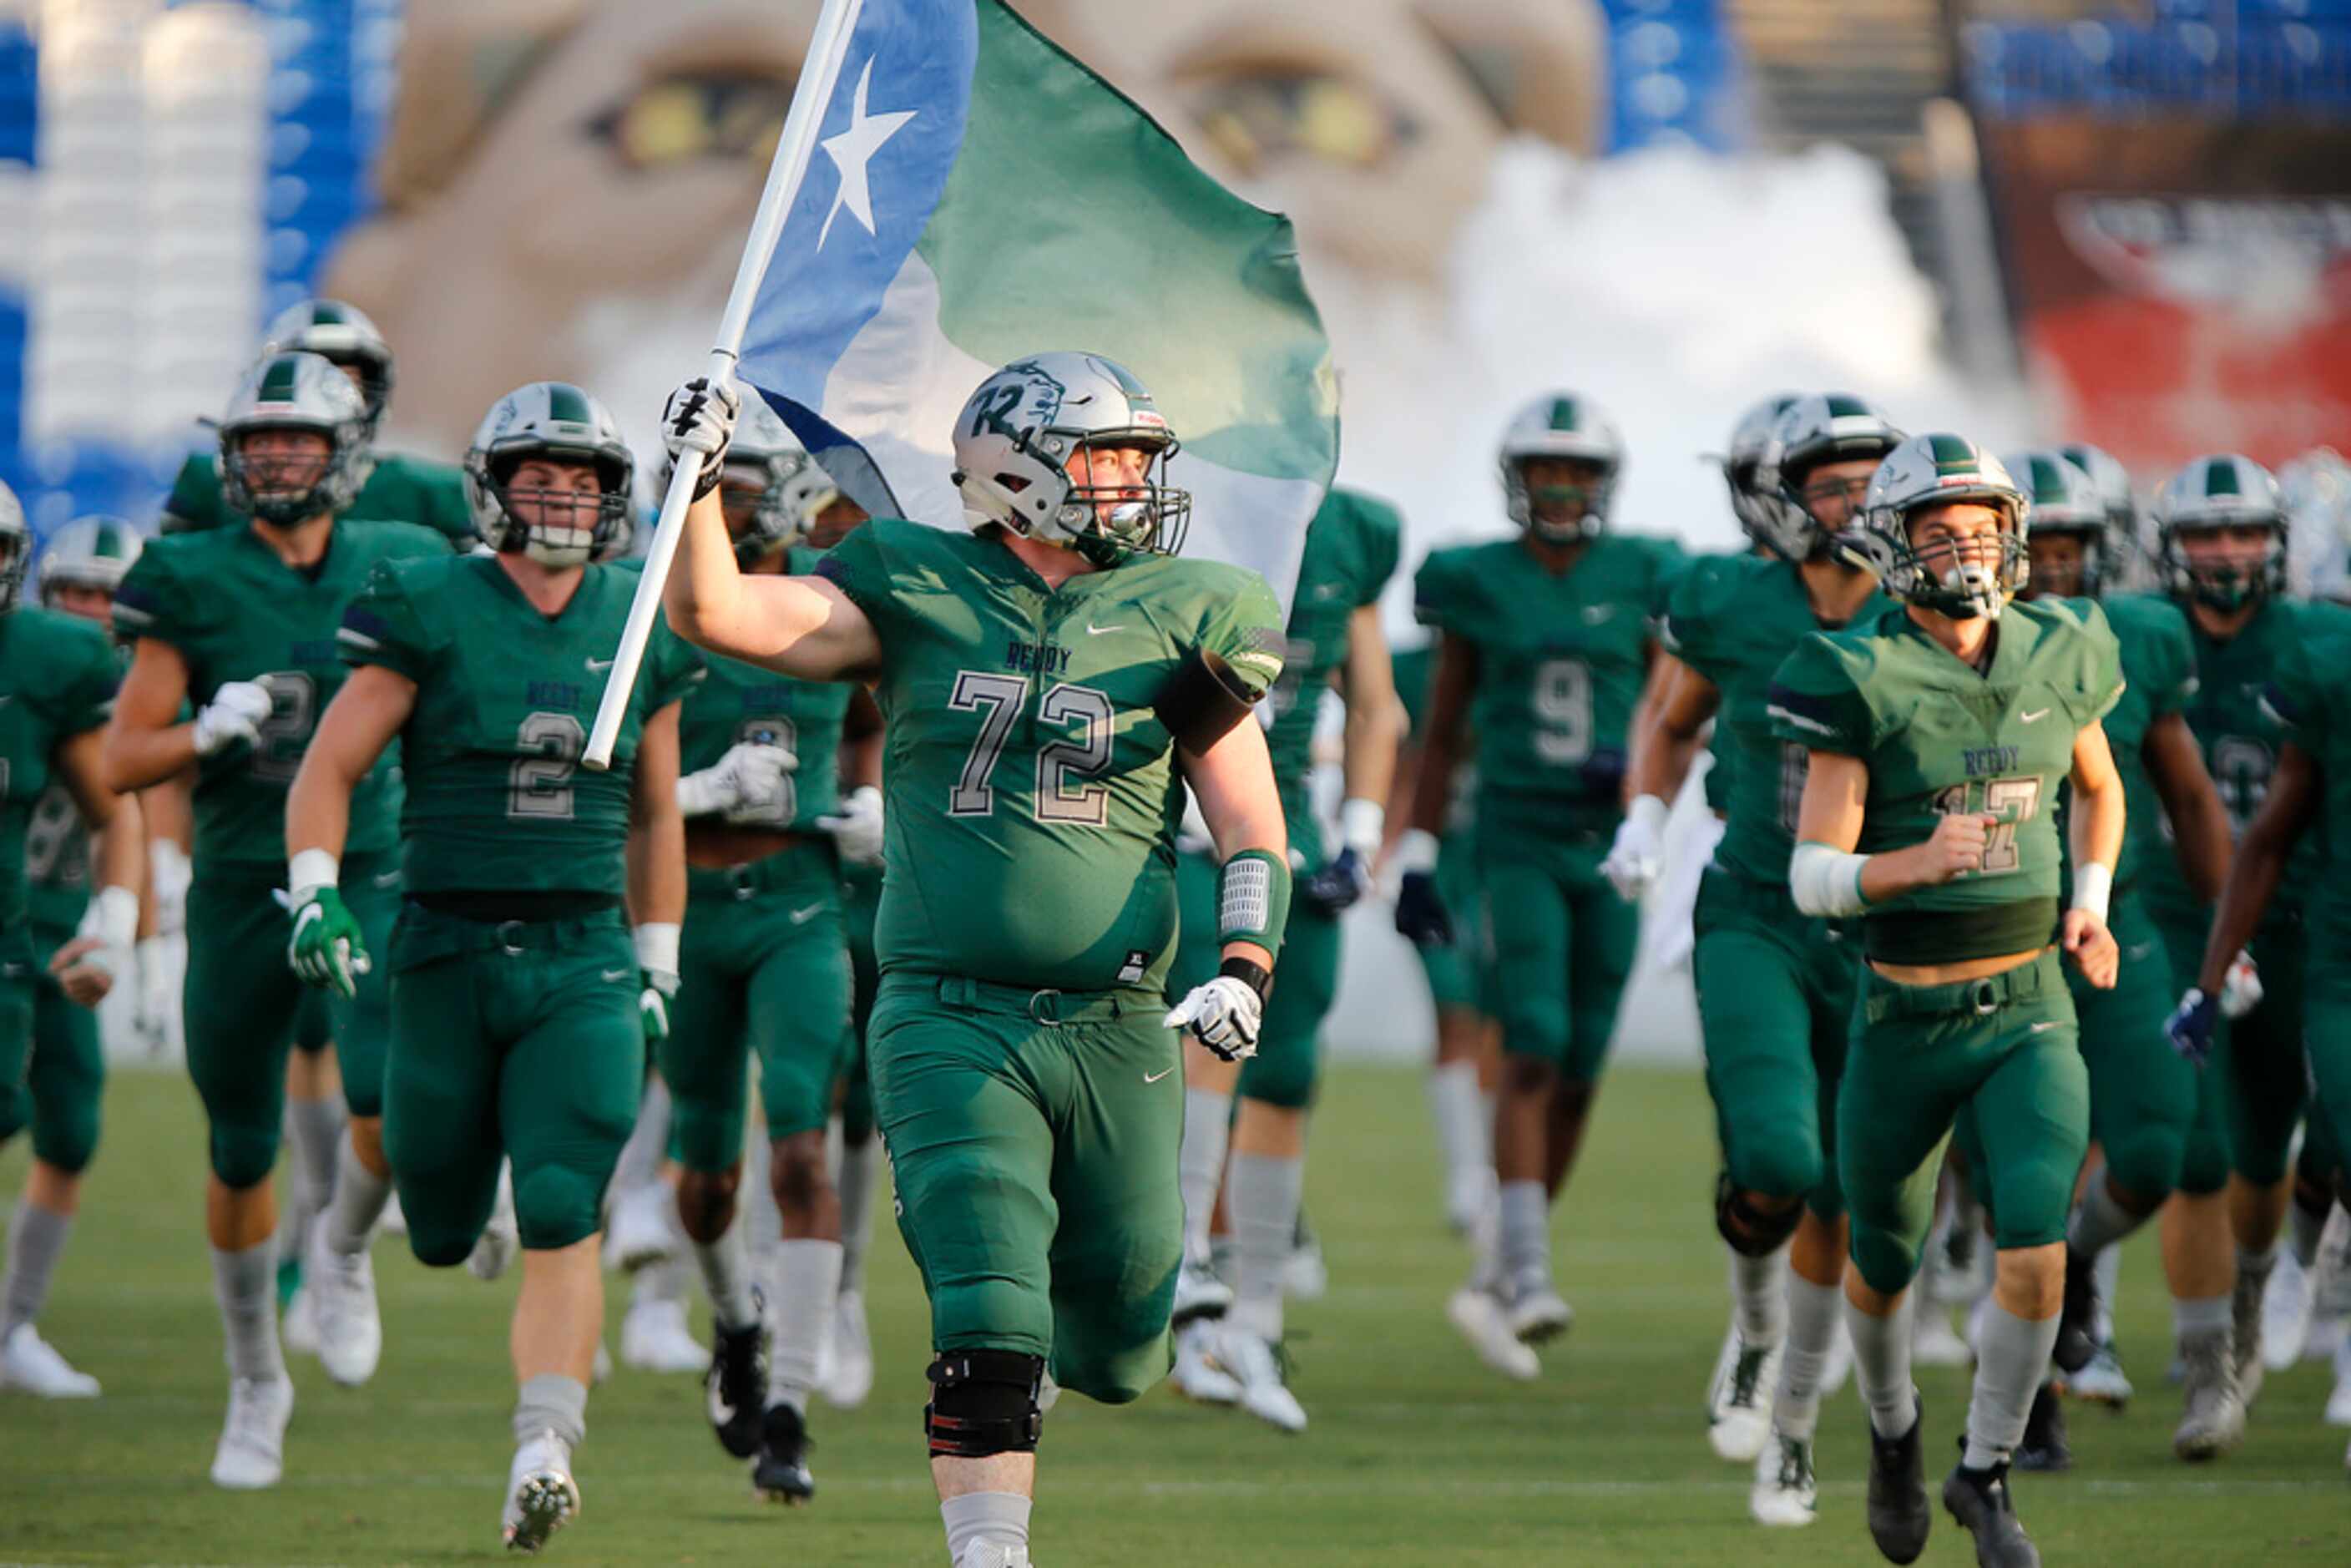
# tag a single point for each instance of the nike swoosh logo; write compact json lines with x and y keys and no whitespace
{"x":6,"y":698}
{"x":2140,"y":952}
{"x":598,"y":666}
{"x":610,"y":975}
{"x":2035,"y":717}
{"x":802,"y":917}
{"x":1095,"y":630}
{"x":387,"y":879}
{"x":1327,"y":590}
{"x":1156,"y":1077}
{"x":2044,"y":1023}
{"x":1594,"y":614}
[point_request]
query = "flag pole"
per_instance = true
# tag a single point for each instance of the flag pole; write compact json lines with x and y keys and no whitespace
{"x":793,"y":149}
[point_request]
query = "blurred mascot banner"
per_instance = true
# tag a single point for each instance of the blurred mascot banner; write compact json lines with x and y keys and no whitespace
{"x":2174,"y":209}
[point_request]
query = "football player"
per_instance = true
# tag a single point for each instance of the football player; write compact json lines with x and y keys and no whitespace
{"x":2142,"y":1095}
{"x":1543,"y":646}
{"x":2221,"y":543}
{"x":239,"y":623}
{"x":1334,"y":638}
{"x":390,"y":484}
{"x":58,"y":958}
{"x":521,"y":1008}
{"x":1938,"y":734}
{"x":1046,"y":681}
{"x":1775,"y":985}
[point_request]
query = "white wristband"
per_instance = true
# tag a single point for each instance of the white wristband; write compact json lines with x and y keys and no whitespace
{"x":1416,"y":850}
{"x":1823,"y":882}
{"x":1362,"y":823}
{"x":2093,"y":887}
{"x":1650,"y":813}
{"x":307,"y":872}
{"x":656,"y":943}
{"x":114,"y":917}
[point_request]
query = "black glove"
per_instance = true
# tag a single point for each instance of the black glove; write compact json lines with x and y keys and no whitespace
{"x":1420,"y":914}
{"x":1342,"y":880}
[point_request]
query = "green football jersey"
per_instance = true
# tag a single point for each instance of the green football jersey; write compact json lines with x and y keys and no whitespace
{"x":1414,"y":669}
{"x":1938,"y":736}
{"x":236,"y":611}
{"x":57,"y":677}
{"x":497,"y":799}
{"x":1350,"y":552}
{"x":2309,"y":701}
{"x":1732,"y":618}
{"x":57,"y":849}
{"x":1031,"y":793}
{"x":2159,"y":665}
{"x":410,"y":489}
{"x":742,"y":701}
{"x":1561,"y":663}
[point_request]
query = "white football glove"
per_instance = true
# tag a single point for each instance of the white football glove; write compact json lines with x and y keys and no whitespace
{"x":747,"y":781}
{"x":1639,"y":852}
{"x":2240,"y":993}
{"x":856,"y":827}
{"x":700,"y":417}
{"x":1223,"y":1015}
{"x":234,"y":714}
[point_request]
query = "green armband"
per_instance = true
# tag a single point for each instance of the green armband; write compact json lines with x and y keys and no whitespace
{"x":1253,"y":899}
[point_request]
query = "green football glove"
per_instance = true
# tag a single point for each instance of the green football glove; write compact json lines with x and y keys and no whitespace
{"x":327,"y":948}
{"x":653,"y":1002}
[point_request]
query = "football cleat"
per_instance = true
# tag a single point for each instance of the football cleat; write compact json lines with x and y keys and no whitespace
{"x":542,"y":1496}
{"x":393,"y":1221}
{"x":1786,"y":1492}
{"x":993,"y":1554}
{"x":2103,"y":1382}
{"x":1258,"y":1368}
{"x":30,"y":1362}
{"x":653,"y":1338}
{"x":780,"y":1473}
{"x":638,"y":1233}
{"x":847,"y":1375}
{"x":495,"y":1248}
{"x":1980,"y":1500}
{"x":735,"y":1386}
{"x":1304,"y":1276}
{"x":1196,"y":1375}
{"x":342,"y":1289}
{"x":1934,"y":1342}
{"x":2286,"y":1311}
{"x":1899,"y":1514}
{"x":252,"y":1450}
{"x":2214,"y":1422}
{"x":2044,"y":1447}
{"x":1739,"y":1398}
{"x":1199,"y":1293}
{"x":1536,"y":1312}
{"x":1479,"y":1319}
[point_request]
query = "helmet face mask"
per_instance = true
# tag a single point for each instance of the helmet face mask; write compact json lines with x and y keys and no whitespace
{"x":93,"y":553}
{"x":342,"y":335}
{"x":2068,"y":504}
{"x":293,"y":392}
{"x":16,"y":549}
{"x":1017,"y":442}
{"x":1561,"y":428}
{"x":1813,"y":431}
{"x":771,"y":489}
{"x":548,"y":422}
{"x":1921,"y":477}
{"x":2213,"y":496}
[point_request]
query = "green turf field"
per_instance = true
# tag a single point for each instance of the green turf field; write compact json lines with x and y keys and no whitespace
{"x":1417,"y":1454}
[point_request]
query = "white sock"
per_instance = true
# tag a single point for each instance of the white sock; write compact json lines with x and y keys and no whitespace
{"x":1881,"y":1364}
{"x":1201,"y":1164}
{"x":245,"y":1283}
{"x":1812,"y":1328}
{"x":2011,"y":1361}
{"x":861,"y":1179}
{"x":805,"y":1281}
{"x":995,"y":1518}
{"x":315,"y":1127}
{"x":1264,"y":1198}
{"x":2256,"y":1267}
{"x":551,"y":1402}
{"x":1453,"y":1105}
{"x":663,"y":1282}
{"x":2099,"y":1221}
{"x":757,"y":1217}
{"x":640,"y":1156}
{"x":1525,"y":1244}
{"x":2195,"y":1317}
{"x":726,"y":1275}
{"x":359,"y":1201}
{"x":1759,"y":1291}
{"x":37,"y":1239}
{"x":2109,"y":1273}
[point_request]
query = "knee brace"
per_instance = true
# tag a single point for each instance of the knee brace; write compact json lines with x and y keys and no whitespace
{"x":984,"y":1402}
{"x":1751,"y":1232}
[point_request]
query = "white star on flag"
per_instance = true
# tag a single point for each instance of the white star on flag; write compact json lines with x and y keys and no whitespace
{"x":853,"y":149}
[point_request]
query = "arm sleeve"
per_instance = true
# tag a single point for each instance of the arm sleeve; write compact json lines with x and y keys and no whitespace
{"x":859,"y":566}
{"x":149,"y":602}
{"x":1817,"y":701}
{"x":1244,"y":628}
{"x":383,"y":626}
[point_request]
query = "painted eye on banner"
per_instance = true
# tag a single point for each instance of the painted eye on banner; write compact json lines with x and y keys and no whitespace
{"x":1256,"y":116}
{"x":688,"y":116}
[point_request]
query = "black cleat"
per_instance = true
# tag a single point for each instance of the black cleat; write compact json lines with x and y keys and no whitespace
{"x":1979,"y":1500}
{"x":782,"y":1474}
{"x":735,"y":1385}
{"x":2077,"y":1322}
{"x":2044,"y":1447}
{"x":1899,"y":1513}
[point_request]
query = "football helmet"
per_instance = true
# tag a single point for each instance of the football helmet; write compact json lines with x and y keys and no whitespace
{"x":1018,"y":430}
{"x":1927,"y":471}
{"x":2114,"y":482}
{"x":1570,"y":426}
{"x":2220,"y":491}
{"x":342,"y":335}
{"x":89,"y":552}
{"x":1749,"y":438}
{"x":793,"y":489}
{"x":2066,"y":500}
{"x":16,"y":549}
{"x":294,"y":392}
{"x":1817,"y":428}
{"x":554,"y":420}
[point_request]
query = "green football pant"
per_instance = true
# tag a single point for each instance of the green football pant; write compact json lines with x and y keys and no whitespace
{"x":1562,"y":944}
{"x":1288,"y":1065}
{"x":2327,"y":1011}
{"x":1776,"y":994}
{"x":522,"y":1040}
{"x":66,"y":1074}
{"x":18,"y":967}
{"x":2142,"y":1092}
{"x":763,"y":969}
{"x":2204,"y":1167}
{"x":2001,"y":1051}
{"x":2263,"y":1065}
{"x":243,"y":1006}
{"x":861,"y":900}
{"x":1033,"y":1139}
{"x":1455,"y":971}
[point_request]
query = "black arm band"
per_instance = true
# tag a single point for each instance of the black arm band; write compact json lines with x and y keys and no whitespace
{"x":1249,"y":973}
{"x":1202,"y":701}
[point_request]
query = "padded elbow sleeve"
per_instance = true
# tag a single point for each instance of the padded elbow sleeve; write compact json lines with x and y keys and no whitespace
{"x":1825,"y":882}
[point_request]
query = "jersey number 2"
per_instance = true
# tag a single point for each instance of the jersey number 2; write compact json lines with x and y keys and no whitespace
{"x":997,"y":699}
{"x":541,"y":785}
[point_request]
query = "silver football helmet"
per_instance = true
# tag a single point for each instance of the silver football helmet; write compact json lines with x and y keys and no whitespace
{"x":294,"y":391}
{"x":2220,"y":491}
{"x":16,"y":548}
{"x":342,"y":335}
{"x":1928,"y":471}
{"x":553,"y":420}
{"x":1817,"y":428}
{"x":2067,"y":502}
{"x":1017,"y":433}
{"x":1749,"y":438}
{"x":791,"y":489}
{"x":89,"y":552}
{"x":1570,"y":427}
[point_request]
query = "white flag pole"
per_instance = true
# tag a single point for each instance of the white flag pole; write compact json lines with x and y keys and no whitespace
{"x":793,"y":149}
